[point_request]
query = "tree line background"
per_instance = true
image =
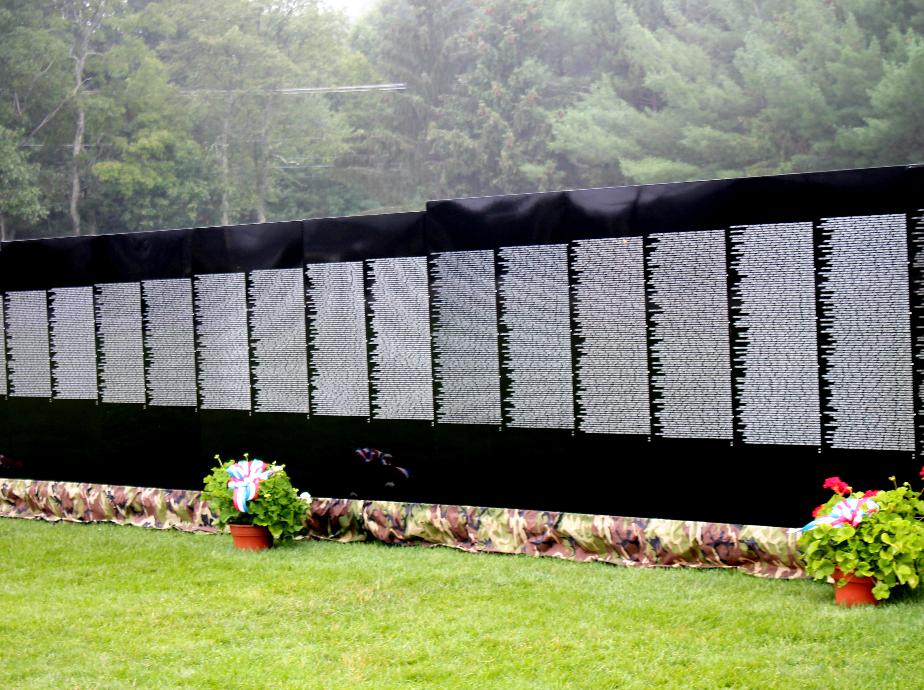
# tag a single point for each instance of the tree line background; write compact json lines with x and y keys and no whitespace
{"x":126,"y":115}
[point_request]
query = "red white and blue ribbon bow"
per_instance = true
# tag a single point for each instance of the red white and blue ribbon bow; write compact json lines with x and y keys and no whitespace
{"x":246,"y":476}
{"x":850,"y":511}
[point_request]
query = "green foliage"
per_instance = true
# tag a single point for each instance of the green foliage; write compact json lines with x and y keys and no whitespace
{"x":22,"y":198}
{"x":231,"y":59}
{"x":887,"y":545}
{"x":715,"y":89}
{"x":276,"y":507}
{"x":892,"y":131}
{"x":418,"y":43}
{"x":491,"y":131}
{"x":159,"y":180}
{"x":185,"y":123}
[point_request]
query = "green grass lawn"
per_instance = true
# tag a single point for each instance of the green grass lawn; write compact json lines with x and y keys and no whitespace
{"x":106,"y":606}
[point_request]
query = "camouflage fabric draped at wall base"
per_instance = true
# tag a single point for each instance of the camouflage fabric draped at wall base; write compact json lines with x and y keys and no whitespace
{"x":763,"y":551}
{"x":129,"y":505}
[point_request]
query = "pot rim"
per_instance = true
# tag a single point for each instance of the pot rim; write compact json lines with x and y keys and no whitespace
{"x":850,"y":577}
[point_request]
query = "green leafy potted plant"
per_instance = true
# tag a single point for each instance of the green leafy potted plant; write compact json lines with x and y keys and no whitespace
{"x":872,"y":540}
{"x":256,"y":500}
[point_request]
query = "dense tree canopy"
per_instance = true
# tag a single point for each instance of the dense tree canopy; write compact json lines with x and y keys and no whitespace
{"x":124,"y":115}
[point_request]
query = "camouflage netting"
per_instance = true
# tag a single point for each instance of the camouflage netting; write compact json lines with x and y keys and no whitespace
{"x":763,"y":551}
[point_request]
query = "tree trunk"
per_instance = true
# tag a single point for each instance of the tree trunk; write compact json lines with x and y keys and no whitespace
{"x":261,"y":164}
{"x":3,"y":236}
{"x":225,"y":167}
{"x":75,"y":169}
{"x":79,"y":52}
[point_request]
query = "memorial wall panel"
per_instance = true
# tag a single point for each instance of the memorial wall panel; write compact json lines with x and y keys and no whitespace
{"x":690,"y":355}
{"x":649,"y":350}
{"x":399,"y":325}
{"x":121,"y":345}
{"x":775,"y":326}
{"x":220,"y":306}
{"x":536,"y":336}
{"x":916,"y":293}
{"x":337,"y":330}
{"x":866,"y":351}
{"x":465,"y":338}
{"x":610,"y":328}
{"x":276,"y":303}
{"x":73,"y":343}
{"x":27,"y":344}
{"x":4,"y":390}
{"x":169,"y":338}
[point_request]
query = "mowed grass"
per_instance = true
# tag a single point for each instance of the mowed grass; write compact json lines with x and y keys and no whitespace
{"x":106,"y":606}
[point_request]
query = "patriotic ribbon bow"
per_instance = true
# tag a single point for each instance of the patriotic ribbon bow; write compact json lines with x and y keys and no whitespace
{"x":850,"y":511}
{"x":246,"y":476}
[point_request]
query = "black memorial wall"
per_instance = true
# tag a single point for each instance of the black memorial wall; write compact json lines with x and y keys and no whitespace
{"x":706,"y":350}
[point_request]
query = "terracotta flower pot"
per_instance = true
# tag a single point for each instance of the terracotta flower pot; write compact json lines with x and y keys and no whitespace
{"x":857,"y":592}
{"x":251,"y":537}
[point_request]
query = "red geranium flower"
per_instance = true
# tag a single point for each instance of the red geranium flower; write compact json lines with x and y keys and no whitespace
{"x":871,"y":494}
{"x":817,"y":510}
{"x":837,"y":485}
{"x":922,"y":471}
